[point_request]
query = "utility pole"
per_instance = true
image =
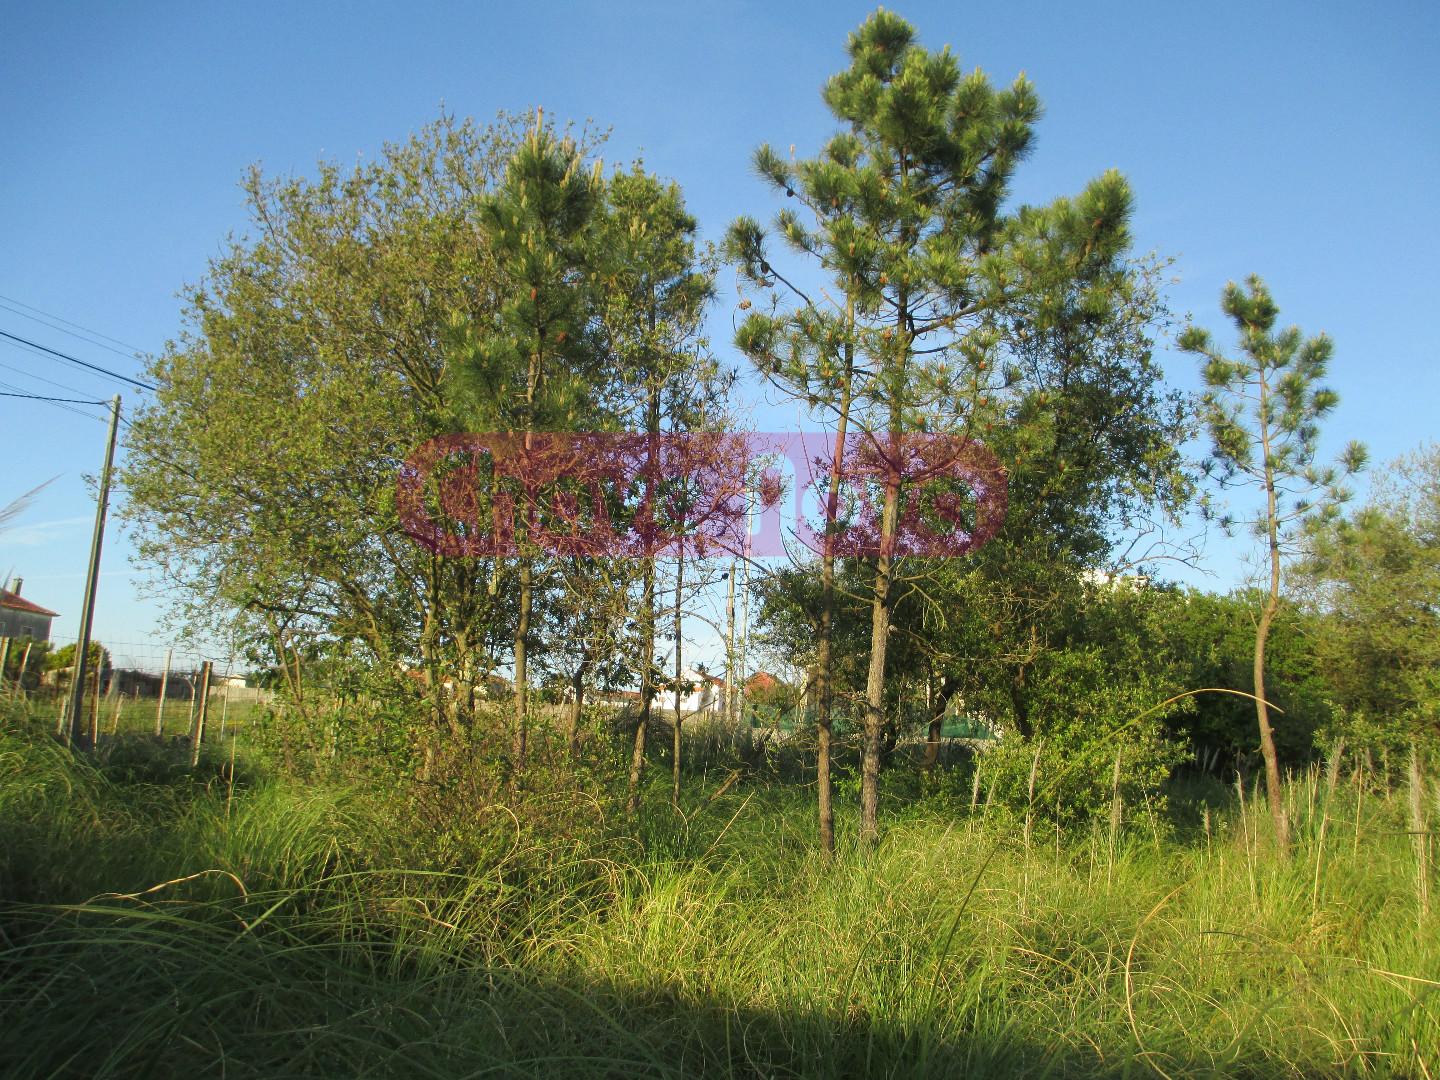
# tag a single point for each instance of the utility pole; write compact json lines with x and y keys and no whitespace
{"x":745,"y":613}
{"x":79,"y":731}
{"x":730,"y":713}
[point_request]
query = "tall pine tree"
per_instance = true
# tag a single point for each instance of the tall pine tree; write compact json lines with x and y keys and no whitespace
{"x":532,"y":366}
{"x":923,"y":266}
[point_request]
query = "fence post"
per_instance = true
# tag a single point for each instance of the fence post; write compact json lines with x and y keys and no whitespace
{"x":4,"y":657}
{"x":95,"y":709}
{"x":164,"y":684}
{"x":24,"y":663}
{"x":225,"y":701}
{"x":199,"y":734}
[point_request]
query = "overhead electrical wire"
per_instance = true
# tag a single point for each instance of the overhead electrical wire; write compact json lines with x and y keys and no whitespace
{"x":140,"y":383}
{"x":42,"y":378}
{"x":42,"y":397}
{"x":68,"y":404}
{"x":8,"y":300}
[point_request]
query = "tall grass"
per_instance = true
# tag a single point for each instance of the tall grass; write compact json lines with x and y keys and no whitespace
{"x":160,"y":922}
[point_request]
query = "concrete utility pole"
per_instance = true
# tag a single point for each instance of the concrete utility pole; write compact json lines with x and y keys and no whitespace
{"x":79,"y":730}
{"x":730,"y":712}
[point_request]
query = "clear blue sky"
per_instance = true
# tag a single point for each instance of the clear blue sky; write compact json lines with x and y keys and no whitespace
{"x":1295,"y":140}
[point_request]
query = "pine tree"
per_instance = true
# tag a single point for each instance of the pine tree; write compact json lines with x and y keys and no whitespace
{"x":656,"y":291}
{"x":924,"y":265}
{"x":1263,"y":411}
{"x":529,"y":369}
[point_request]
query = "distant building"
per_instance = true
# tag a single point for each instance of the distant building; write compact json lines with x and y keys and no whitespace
{"x":762,"y":682}
{"x":1103,"y":580}
{"x":19,"y":618}
{"x":699,"y":692}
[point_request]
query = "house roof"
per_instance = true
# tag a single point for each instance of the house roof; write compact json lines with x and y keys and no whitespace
{"x":16,"y":602}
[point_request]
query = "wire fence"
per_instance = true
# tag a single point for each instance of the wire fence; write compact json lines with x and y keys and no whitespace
{"x":137,"y":687}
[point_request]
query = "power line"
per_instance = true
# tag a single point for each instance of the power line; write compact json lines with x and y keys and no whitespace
{"x":129,"y":355}
{"x":78,"y":326}
{"x":74,"y":360}
{"x":41,"y":397}
{"x":20,"y":392}
{"x":41,"y":378}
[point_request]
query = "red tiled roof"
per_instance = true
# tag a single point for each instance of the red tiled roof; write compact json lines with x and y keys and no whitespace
{"x":19,"y":603}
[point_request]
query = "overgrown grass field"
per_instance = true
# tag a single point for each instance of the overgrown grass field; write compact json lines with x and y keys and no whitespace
{"x":163,"y":921}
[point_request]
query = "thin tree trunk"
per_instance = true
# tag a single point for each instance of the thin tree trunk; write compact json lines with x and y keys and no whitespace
{"x":679,"y":670}
{"x":824,"y":717}
{"x":577,"y":704}
{"x":1273,"y":790}
{"x":647,"y":608}
{"x":522,"y":678}
{"x":880,"y":606}
{"x":527,"y":571}
{"x":938,"y":707}
{"x":875,"y":676}
{"x":647,"y":660}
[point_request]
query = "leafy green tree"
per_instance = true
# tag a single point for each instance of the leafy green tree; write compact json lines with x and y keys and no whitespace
{"x":1263,"y":411}
{"x":1374,"y":579}
{"x":63,"y":658}
{"x":25,"y":662}
{"x":940,"y":297}
{"x":315,"y":359}
{"x":1212,"y":640}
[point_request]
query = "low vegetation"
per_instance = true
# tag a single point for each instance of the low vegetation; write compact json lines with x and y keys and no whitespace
{"x":164,"y":921}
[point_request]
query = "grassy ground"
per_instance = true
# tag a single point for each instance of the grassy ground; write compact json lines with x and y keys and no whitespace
{"x":162,"y":922}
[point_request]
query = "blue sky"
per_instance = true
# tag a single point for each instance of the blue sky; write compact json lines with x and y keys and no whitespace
{"x":1298,"y":141}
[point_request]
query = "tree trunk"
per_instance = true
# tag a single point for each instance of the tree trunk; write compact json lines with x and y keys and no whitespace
{"x":679,"y":669}
{"x":577,"y":705}
{"x":647,"y":661}
{"x":1273,"y":790}
{"x":875,"y":676}
{"x":522,"y":680}
{"x":647,"y":607}
{"x":824,"y":720}
{"x":880,"y":600}
{"x":1023,"y":727}
{"x":938,"y":708}
{"x":527,"y":571}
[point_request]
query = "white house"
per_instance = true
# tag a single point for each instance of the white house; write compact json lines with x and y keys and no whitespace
{"x":700,"y":692}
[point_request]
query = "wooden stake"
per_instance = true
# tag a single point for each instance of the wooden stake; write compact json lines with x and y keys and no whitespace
{"x":24,"y":663}
{"x":164,"y":684}
{"x":1421,"y":836}
{"x":95,"y":710}
{"x":199,"y":734}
